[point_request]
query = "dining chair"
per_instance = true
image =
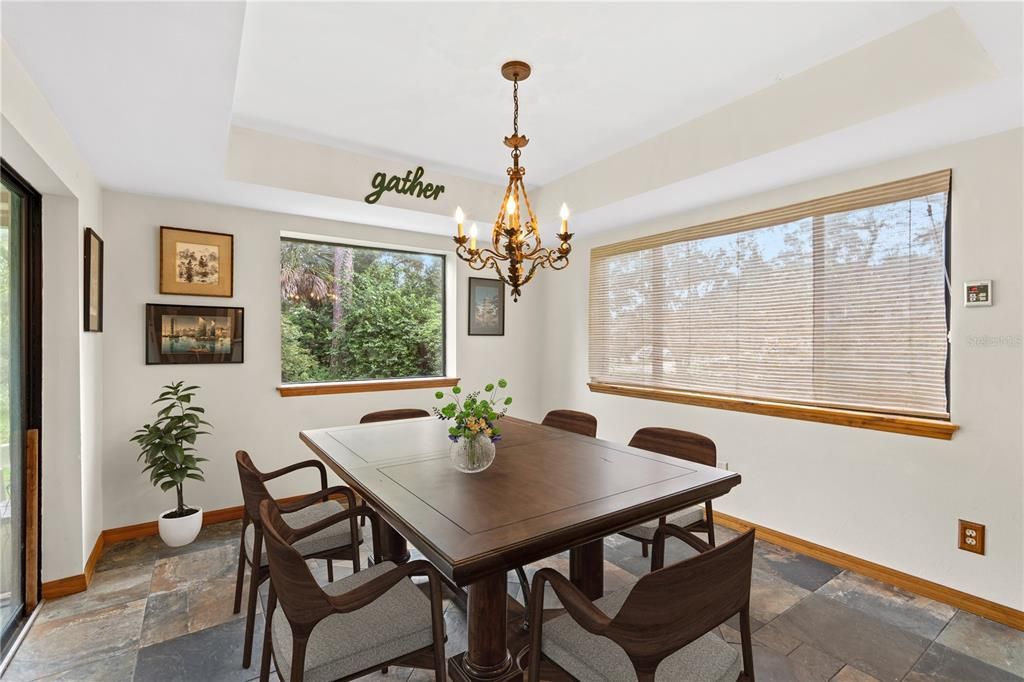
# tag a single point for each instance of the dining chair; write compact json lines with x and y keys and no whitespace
{"x":661,"y":628}
{"x":392,"y":415}
{"x":692,"y":447}
{"x":332,"y":542}
{"x":566,"y":420}
{"x":571,"y":420}
{"x":346,"y":629}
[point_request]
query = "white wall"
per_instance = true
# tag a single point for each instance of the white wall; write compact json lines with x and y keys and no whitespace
{"x":38,"y":147}
{"x":241,"y":400}
{"x":889,"y":498}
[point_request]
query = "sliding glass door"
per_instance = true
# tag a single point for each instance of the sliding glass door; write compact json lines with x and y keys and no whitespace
{"x":19,"y":206}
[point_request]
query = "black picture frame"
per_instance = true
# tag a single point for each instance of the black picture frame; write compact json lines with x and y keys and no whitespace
{"x":478,"y":326}
{"x":194,"y":352}
{"x":92,"y":273}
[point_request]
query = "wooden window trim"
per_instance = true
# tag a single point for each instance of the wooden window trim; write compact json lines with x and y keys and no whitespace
{"x":911,"y":426}
{"x":333,"y":387}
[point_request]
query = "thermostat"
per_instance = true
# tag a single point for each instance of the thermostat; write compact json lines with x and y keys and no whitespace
{"x":977,"y":293}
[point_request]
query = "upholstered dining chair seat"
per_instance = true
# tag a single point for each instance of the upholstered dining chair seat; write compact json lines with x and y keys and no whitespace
{"x":395,"y":624}
{"x":337,"y":535}
{"x":681,"y":518}
{"x":592,"y":658}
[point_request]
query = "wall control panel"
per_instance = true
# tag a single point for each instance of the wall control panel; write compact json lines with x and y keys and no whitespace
{"x":977,"y":293}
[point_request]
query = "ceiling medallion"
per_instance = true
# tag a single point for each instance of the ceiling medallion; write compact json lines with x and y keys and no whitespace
{"x":514,"y":241}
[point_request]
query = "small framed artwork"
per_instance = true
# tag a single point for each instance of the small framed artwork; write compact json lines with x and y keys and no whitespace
{"x":196,"y":263}
{"x":486,"y":307}
{"x":93,"y":299}
{"x":193,"y":334}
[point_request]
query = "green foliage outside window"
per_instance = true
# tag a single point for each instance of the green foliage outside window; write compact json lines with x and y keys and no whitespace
{"x":350,"y":313}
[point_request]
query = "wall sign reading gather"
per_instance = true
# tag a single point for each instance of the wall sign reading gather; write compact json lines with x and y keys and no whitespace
{"x":410,"y":185}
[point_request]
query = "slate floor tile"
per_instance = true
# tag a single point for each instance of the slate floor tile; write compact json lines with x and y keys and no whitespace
{"x":771,"y":666}
{"x":109,"y":588}
{"x":166,"y":617}
{"x":776,"y":638}
{"x":852,"y":636}
{"x":211,"y":654}
{"x":797,"y":569}
{"x":851,"y":674}
{"x":942,"y":664}
{"x":119,"y":668}
{"x":771,"y":594}
{"x":817,"y":664}
{"x":65,"y":643}
{"x":891,"y":604}
{"x":140,"y":552}
{"x":995,"y":644}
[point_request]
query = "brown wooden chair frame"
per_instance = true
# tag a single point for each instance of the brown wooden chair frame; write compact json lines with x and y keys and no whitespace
{"x":393,"y":415}
{"x":305,"y":604}
{"x":254,"y":492}
{"x":686,"y":445}
{"x":666,"y":610}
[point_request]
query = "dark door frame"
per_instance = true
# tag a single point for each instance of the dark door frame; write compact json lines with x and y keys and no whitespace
{"x":32,"y":352}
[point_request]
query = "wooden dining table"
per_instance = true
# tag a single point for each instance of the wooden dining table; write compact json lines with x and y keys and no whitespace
{"x":546,"y":492}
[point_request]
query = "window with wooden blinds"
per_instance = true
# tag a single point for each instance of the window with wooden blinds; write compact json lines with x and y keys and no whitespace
{"x":839,"y":302}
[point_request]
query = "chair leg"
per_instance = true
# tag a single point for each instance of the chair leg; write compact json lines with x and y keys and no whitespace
{"x":241,"y":572}
{"x":268,"y":642}
{"x":254,"y":582}
{"x":643,"y":548}
{"x":524,"y":587}
{"x":330,"y":570}
{"x":709,"y":519}
{"x":298,"y":656}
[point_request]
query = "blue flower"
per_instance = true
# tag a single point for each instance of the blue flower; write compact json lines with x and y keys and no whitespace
{"x":454,"y":439}
{"x":495,"y":439}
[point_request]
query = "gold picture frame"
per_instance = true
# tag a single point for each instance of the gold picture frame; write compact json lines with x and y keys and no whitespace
{"x":196,"y":263}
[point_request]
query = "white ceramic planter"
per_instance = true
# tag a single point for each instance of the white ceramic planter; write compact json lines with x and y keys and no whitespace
{"x":178,"y":532}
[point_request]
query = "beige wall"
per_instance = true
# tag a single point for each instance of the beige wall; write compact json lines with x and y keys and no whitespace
{"x":241,"y":400}
{"x":888,"y":498}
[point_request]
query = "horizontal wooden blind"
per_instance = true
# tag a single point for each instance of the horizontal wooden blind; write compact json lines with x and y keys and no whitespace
{"x":838,"y":302}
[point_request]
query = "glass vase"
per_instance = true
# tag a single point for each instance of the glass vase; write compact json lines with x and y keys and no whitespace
{"x":472,"y":455}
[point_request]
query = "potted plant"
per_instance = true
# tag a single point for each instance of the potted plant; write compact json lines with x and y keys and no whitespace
{"x":169,"y":455}
{"x":475,"y":431}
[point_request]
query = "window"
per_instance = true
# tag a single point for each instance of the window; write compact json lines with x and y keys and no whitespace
{"x":351,"y":313}
{"x":839,"y":302}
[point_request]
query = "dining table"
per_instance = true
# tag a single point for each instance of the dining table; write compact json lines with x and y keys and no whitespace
{"x":546,"y":492}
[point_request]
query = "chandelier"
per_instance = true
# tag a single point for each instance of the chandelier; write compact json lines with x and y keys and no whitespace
{"x":515,"y":239}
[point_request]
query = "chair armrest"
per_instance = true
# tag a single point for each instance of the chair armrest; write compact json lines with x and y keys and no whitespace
{"x":658,"y":555}
{"x":577,"y":605}
{"x":347,"y":514}
{"x":317,"y":497}
{"x":307,"y":464}
{"x":368,"y":592}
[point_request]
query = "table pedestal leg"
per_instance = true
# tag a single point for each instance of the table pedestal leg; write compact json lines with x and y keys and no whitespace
{"x":487,"y":657}
{"x":586,"y":568}
{"x":393,"y":545}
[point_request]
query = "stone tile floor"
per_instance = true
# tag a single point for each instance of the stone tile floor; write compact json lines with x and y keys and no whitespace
{"x":155,"y":613}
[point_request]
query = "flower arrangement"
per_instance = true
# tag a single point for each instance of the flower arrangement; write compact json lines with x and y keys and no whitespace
{"x":473,"y":415}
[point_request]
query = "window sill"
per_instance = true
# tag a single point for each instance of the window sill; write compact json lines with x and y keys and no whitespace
{"x":329,"y":388}
{"x":911,"y":426}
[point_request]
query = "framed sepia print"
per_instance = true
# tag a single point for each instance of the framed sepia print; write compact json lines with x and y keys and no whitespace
{"x":196,"y":263}
{"x":93,"y":298}
{"x":193,"y":334}
{"x":486,"y":307}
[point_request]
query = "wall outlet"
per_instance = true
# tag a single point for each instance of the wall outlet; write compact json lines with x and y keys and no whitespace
{"x":724,"y":465}
{"x":971,"y":537}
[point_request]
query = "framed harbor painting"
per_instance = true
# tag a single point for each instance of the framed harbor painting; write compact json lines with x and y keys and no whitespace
{"x":486,"y":307}
{"x":196,"y":263}
{"x":193,"y":334}
{"x":93,"y":269}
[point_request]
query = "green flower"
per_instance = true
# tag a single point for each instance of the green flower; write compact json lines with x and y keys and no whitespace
{"x":439,"y":395}
{"x":456,"y":390}
{"x":508,"y":400}
{"x":502,"y":383}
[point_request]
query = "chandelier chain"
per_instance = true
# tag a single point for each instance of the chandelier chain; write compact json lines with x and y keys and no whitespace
{"x":515,"y":102}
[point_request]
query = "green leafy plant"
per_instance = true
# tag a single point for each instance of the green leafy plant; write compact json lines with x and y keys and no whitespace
{"x":474,"y":415}
{"x":168,"y":444}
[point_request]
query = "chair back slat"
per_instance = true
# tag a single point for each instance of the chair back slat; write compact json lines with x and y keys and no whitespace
{"x":303,"y":600}
{"x":671,"y":607}
{"x":392,"y":415}
{"x":254,"y":490}
{"x":571,"y":420}
{"x":692,"y":447}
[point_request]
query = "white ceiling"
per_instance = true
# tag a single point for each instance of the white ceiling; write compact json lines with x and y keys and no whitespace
{"x":148,"y":91}
{"x":422,"y":81}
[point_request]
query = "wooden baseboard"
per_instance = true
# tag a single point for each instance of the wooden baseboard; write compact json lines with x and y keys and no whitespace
{"x":926,"y":588}
{"x":73,"y":584}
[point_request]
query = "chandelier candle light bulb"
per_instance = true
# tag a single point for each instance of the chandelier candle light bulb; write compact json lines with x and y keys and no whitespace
{"x":515,"y":237}
{"x":459,"y":217}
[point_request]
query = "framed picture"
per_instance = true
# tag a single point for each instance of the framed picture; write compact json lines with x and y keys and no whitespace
{"x":93,"y":299}
{"x":196,"y":263}
{"x":193,"y":334}
{"x":486,"y":307}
